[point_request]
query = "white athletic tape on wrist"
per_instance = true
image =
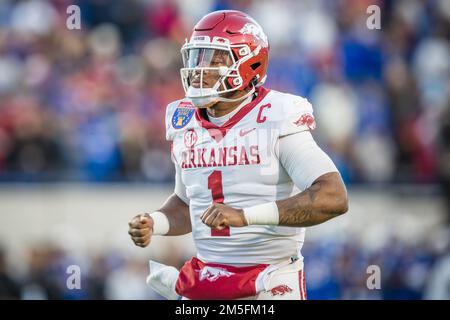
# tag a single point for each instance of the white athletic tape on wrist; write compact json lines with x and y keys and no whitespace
{"x":161,"y":224}
{"x":262,"y":214}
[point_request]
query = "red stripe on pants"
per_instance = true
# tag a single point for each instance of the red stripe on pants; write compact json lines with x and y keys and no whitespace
{"x":302,"y":285}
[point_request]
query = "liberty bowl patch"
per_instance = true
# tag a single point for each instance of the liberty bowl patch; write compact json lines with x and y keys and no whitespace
{"x":182,"y":116}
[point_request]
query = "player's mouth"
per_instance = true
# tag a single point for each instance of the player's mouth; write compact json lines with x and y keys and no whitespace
{"x":196,"y":83}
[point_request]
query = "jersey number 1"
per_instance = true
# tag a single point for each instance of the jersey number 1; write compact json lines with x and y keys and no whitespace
{"x":215,"y":185}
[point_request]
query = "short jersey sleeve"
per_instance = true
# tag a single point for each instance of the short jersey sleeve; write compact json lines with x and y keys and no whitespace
{"x":170,"y":111}
{"x":303,"y":159}
{"x":296,"y":115}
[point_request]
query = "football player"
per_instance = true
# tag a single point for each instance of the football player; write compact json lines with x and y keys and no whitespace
{"x":249,"y":175}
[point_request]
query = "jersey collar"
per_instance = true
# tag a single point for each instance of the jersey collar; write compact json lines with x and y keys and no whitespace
{"x":218,"y":133}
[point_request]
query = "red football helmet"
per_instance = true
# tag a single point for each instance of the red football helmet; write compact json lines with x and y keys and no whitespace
{"x":228,"y":46}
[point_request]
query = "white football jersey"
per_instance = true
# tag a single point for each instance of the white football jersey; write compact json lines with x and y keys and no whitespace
{"x":237,"y":164}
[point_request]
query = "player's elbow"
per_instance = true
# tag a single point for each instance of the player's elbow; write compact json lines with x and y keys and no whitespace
{"x":336,"y":205}
{"x":340,"y":199}
{"x":329,"y":196}
{"x":341,"y":204}
{"x":335,"y":193}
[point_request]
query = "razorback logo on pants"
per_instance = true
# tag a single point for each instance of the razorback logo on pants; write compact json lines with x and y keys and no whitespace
{"x":209,"y":281}
{"x":285,"y":286}
{"x":281,"y":290}
{"x":212,"y":274}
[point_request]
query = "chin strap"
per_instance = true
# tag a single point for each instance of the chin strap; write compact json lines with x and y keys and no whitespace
{"x":245,"y":96}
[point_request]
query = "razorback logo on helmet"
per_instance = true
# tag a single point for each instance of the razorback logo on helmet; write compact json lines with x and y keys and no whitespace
{"x":255,"y":30}
{"x":212,"y":274}
{"x":280,"y":290}
{"x":306,"y":120}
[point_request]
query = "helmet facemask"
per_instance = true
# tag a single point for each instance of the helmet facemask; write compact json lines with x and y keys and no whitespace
{"x":209,"y":72}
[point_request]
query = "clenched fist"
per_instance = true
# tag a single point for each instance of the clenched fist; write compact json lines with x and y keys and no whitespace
{"x":141,"y":229}
{"x":219,"y":216}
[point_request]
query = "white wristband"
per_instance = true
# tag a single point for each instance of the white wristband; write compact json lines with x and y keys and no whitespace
{"x":161,"y":224}
{"x":265,"y":214}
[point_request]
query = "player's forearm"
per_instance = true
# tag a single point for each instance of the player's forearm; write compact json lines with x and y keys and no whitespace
{"x":324,"y":200}
{"x":177,"y":213}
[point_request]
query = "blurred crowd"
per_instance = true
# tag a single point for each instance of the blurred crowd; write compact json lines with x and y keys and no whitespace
{"x":89,"y":104}
{"x":334,"y":270}
{"x":345,"y":269}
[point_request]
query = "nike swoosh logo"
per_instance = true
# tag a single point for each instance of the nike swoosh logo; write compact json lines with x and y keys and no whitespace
{"x":244,"y":132}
